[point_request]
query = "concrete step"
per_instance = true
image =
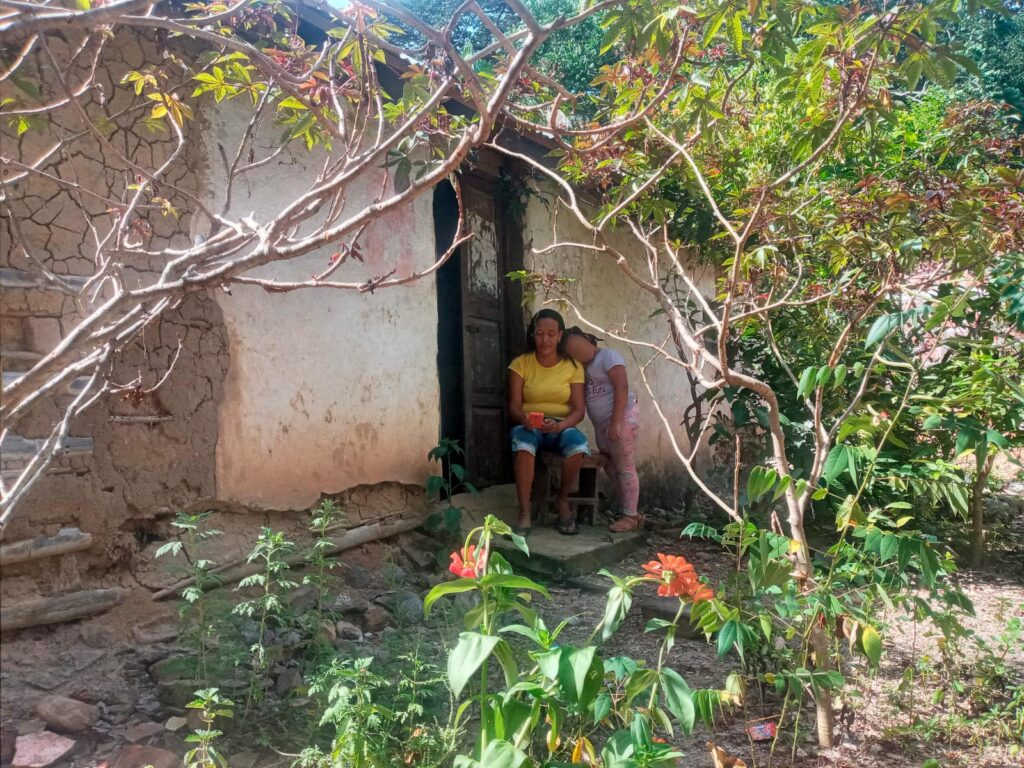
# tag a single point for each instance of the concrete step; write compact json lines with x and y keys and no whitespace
{"x":20,"y":278}
{"x":73,"y":387}
{"x":552,"y":555}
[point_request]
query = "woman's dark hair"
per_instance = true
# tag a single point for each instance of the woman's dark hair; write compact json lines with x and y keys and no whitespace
{"x":531,"y":330}
{"x":577,"y":331}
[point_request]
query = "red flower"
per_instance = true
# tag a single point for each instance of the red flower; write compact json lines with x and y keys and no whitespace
{"x":677,"y":578}
{"x":467,"y":563}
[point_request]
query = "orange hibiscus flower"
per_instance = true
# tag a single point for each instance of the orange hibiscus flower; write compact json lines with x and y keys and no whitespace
{"x":676,"y":577}
{"x":468,"y":563}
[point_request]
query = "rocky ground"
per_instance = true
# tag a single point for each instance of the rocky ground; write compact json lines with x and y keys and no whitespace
{"x":105,"y":692}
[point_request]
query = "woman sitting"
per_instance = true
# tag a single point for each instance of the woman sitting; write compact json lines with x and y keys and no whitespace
{"x":546,"y":403}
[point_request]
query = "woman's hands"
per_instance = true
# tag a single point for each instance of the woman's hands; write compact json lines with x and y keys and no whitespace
{"x":552,"y":426}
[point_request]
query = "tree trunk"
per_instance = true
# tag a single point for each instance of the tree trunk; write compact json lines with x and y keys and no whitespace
{"x":804,"y":574}
{"x":825,"y":715}
{"x":984,"y":462}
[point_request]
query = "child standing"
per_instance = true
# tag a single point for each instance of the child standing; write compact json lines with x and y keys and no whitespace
{"x":612,"y":407}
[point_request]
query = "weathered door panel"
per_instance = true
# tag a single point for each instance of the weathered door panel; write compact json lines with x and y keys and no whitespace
{"x":484,"y":335}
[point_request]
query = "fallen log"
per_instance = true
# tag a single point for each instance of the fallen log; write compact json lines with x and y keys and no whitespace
{"x":53,"y":610}
{"x":237,"y":570}
{"x":67,"y":540}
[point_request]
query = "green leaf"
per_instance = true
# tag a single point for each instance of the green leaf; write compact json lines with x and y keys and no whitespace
{"x":882,"y":327}
{"x":803,"y":388}
{"x":510,"y":581}
{"x":701,"y":531}
{"x":578,"y":671}
{"x":871,"y":642}
{"x":466,"y":657}
{"x":520,"y":543}
{"x":638,"y":682}
{"x":836,"y":462}
{"x":726,"y":638}
{"x":997,"y":439}
{"x":737,"y":32}
{"x":617,"y":606}
{"x":821,"y":378}
{"x":502,"y":754}
{"x":678,"y":698}
{"x":503,"y":653}
{"x":840,"y":376}
{"x":447,"y":588}
{"x":912,"y":70}
{"x":653,"y":625}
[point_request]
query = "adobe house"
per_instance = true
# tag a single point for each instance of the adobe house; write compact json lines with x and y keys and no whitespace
{"x":278,"y":399}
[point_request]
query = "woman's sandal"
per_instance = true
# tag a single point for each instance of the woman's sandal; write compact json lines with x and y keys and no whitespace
{"x":522,"y":530}
{"x":567,"y":526}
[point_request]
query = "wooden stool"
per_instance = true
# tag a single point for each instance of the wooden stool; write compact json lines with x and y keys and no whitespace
{"x":547,"y":481}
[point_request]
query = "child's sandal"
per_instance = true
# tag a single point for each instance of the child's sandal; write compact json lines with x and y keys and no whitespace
{"x":627,"y":523}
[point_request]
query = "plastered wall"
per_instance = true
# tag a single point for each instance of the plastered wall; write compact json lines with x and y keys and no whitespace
{"x":327,"y":389}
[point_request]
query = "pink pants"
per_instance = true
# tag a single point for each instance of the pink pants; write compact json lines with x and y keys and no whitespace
{"x":622,"y":465}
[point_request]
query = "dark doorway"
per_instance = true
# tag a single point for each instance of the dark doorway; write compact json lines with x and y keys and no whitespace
{"x":449,"y":316}
{"x":479,"y":324}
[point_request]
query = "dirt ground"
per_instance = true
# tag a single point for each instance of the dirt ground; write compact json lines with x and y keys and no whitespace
{"x":106,"y":661}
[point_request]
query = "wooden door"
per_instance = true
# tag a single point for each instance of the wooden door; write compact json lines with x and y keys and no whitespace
{"x":484,"y":338}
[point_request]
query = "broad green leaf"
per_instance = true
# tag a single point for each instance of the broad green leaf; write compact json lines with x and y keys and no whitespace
{"x":520,"y":543}
{"x":882,"y":327}
{"x":726,"y":638}
{"x":578,"y":670}
{"x":678,"y":698}
{"x":803,"y":388}
{"x":615,"y":610}
{"x":466,"y":657}
{"x":840,"y":376}
{"x":503,"y":653}
{"x":447,"y":588}
{"x":835,"y":463}
{"x":871,"y":642}
{"x":821,"y":378}
{"x":501,"y":754}
{"x":509,"y":581}
{"x":737,"y":32}
{"x":638,"y":682}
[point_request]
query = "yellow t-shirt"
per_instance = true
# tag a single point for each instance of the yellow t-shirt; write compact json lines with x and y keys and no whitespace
{"x":547,"y":390}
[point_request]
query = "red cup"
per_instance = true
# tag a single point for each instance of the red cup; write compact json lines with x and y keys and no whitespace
{"x":536,"y":419}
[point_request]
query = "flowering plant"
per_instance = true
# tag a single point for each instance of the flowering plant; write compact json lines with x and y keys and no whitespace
{"x":468,"y":562}
{"x":676,"y":577}
{"x":565,"y":704}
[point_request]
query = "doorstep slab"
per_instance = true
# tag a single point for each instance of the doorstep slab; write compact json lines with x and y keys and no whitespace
{"x":551,"y":554}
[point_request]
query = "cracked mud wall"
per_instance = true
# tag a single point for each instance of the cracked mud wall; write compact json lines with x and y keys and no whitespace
{"x":137,"y":470}
{"x":327,"y":389}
